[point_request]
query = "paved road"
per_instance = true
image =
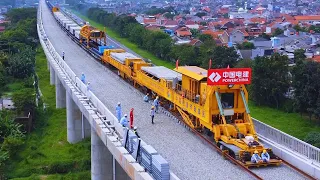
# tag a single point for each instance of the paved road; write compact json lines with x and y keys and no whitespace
{"x":188,"y":156}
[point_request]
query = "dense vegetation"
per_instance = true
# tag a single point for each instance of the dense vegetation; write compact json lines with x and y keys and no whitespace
{"x":162,"y":46}
{"x":46,"y":150}
{"x":17,"y":60}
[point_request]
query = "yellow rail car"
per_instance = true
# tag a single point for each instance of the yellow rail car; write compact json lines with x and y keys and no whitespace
{"x":125,"y":62}
{"x":222,"y":110}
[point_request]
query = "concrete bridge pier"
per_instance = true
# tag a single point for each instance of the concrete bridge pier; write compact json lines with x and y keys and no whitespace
{"x":101,"y":159}
{"x":60,"y":94}
{"x":52,"y":75}
{"x":74,"y":130}
{"x":86,"y":127}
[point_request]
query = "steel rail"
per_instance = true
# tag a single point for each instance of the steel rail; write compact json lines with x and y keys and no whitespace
{"x":223,"y":153}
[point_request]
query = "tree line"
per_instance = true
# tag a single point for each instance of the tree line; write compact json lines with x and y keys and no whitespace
{"x":162,"y":45}
{"x":17,"y":59}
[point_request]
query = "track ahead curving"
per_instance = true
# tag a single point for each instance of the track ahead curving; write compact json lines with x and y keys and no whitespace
{"x":188,"y":156}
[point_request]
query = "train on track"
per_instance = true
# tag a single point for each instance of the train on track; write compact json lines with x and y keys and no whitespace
{"x":221,"y":112}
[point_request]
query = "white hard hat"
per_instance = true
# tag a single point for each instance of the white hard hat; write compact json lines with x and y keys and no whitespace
{"x":82,"y":73}
{"x":88,"y":82}
{"x":125,"y":115}
{"x":119,"y":103}
{"x":135,"y":128}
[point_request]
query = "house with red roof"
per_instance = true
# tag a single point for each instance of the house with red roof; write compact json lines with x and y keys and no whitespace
{"x":308,"y":19}
{"x":170,"y":23}
{"x":214,"y":34}
{"x":150,"y":21}
{"x":191,"y":25}
{"x":183,"y":32}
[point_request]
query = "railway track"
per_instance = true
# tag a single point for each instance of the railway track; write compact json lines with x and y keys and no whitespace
{"x":253,"y":172}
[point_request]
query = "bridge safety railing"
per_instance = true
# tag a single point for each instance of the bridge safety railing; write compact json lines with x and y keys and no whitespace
{"x":101,"y":108}
{"x":296,"y":145}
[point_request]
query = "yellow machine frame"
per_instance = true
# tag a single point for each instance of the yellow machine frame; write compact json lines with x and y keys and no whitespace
{"x":90,"y":33}
{"x":55,"y":9}
{"x":125,"y":69}
{"x":206,"y":111}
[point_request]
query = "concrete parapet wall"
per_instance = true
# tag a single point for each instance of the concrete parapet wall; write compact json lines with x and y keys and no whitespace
{"x":92,"y":109}
{"x":294,"y":158}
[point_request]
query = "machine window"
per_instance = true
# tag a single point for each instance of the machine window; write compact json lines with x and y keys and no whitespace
{"x":227,"y":100}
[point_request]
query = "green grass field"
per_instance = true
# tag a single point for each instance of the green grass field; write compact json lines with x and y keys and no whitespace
{"x":291,"y":123}
{"x":46,"y":153}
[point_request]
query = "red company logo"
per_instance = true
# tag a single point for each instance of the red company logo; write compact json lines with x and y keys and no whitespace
{"x":229,"y":76}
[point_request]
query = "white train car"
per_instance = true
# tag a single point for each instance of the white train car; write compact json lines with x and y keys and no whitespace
{"x":77,"y":34}
{"x":74,"y":29}
{"x":71,"y":25}
{"x":65,"y":23}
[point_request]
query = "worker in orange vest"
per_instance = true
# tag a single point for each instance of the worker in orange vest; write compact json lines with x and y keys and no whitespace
{"x":131,"y":118}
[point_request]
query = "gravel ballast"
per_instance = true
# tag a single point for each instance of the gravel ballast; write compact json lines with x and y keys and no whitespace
{"x":188,"y":156}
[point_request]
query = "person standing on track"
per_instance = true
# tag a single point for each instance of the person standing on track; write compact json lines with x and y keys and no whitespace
{"x":146,"y":98}
{"x":83,"y":78}
{"x":118,"y":111}
{"x":135,"y":131}
{"x":124,"y":121}
{"x":131,"y":118}
{"x":156,"y":104}
{"x":63,"y":55}
{"x":152,"y":114}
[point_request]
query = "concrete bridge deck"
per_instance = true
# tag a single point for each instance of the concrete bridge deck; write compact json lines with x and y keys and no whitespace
{"x":188,"y":157}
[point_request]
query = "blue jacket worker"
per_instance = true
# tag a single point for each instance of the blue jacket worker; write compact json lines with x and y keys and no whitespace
{"x":118,"y":111}
{"x":83,"y":78}
{"x":146,"y":98}
{"x":124,"y":121}
{"x":152,"y":114}
{"x":265,"y":156}
{"x":255,"y":158}
{"x":156,"y":103}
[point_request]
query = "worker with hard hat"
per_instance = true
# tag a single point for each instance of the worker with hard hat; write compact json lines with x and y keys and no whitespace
{"x":152,"y":114}
{"x":255,"y":158}
{"x":265,"y":156}
{"x":156,"y":104}
{"x":146,"y":98}
{"x":118,"y":111}
{"x":83,"y":78}
{"x":124,"y":121}
{"x":135,"y":131}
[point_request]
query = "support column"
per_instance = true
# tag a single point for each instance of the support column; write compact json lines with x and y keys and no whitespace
{"x":86,"y":127}
{"x":101,"y":159}
{"x":60,"y":94}
{"x":73,"y":121}
{"x":120,"y":173}
{"x":52,"y":75}
{"x":48,"y":65}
